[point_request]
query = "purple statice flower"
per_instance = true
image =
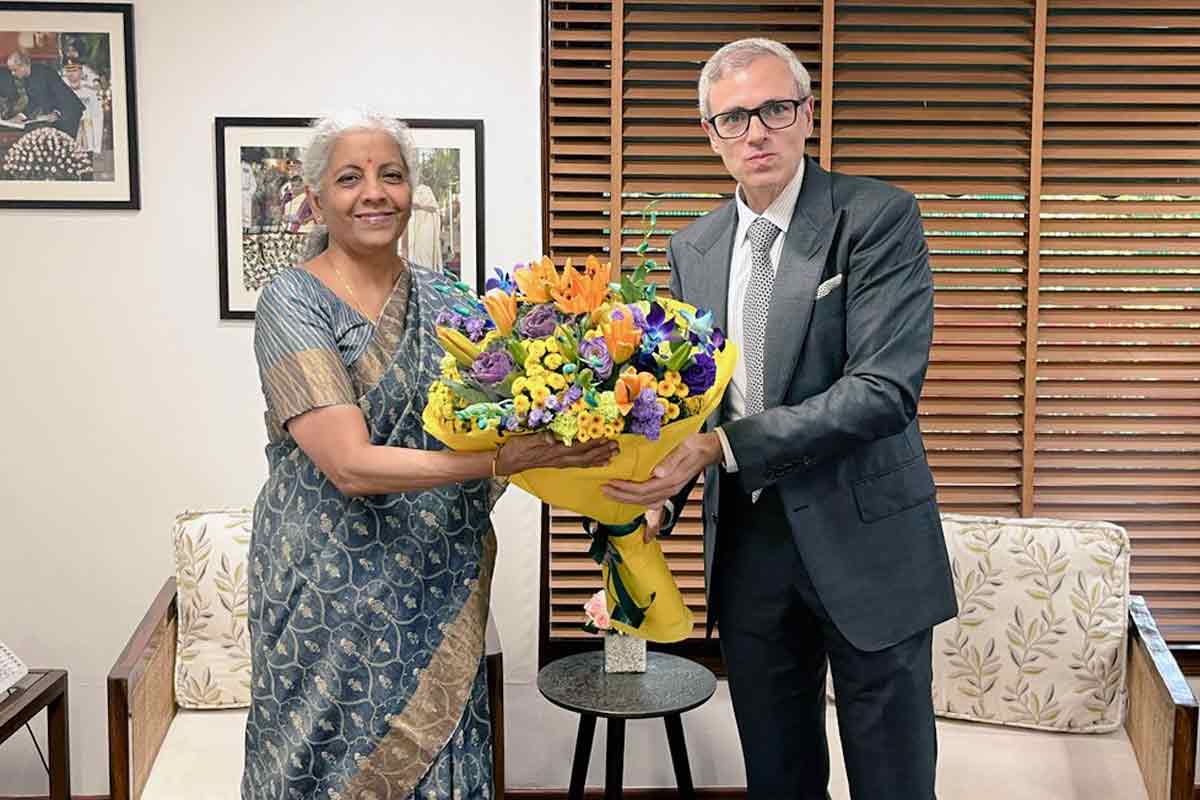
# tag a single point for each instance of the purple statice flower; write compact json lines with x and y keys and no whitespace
{"x":448,"y":319}
{"x":492,"y":368}
{"x":539,"y":322}
{"x":571,"y":396}
{"x":540,"y":416}
{"x":476,"y":328}
{"x":503,"y":281}
{"x":646,"y":415}
{"x":656,"y":328}
{"x":700,"y":375}
{"x":593,"y":354}
{"x":510,"y":422}
{"x":552,"y":404}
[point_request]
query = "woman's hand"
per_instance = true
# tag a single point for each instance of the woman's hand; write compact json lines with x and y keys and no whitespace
{"x":542,"y":450}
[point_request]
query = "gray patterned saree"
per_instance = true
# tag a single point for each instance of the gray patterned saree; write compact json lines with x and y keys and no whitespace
{"x":367,"y":614}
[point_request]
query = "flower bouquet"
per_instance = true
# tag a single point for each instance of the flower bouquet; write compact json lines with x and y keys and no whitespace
{"x":582,"y":357}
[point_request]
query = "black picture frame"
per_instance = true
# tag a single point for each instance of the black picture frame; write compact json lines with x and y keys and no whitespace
{"x":267,"y":234}
{"x":102,"y":75}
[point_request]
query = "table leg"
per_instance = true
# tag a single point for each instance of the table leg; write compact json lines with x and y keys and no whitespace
{"x":57,"y":714}
{"x":679,"y":756}
{"x":614,"y":759}
{"x":583,"y":754}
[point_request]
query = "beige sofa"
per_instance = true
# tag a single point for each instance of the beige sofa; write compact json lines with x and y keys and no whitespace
{"x":158,"y":748}
{"x":1120,"y":722}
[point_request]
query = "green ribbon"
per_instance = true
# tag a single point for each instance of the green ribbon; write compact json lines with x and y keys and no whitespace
{"x":603,"y":552}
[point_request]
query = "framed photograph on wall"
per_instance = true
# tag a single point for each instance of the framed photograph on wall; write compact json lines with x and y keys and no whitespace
{"x":68,"y":111}
{"x":263,"y":217}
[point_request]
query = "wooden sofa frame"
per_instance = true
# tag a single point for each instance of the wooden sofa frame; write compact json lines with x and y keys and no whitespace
{"x":141,"y":700}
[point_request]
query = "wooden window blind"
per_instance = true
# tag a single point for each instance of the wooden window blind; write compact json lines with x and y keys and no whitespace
{"x":1054,"y":146}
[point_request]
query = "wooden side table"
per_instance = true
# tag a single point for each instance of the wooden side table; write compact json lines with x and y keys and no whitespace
{"x":670,"y":686}
{"x":42,"y":689}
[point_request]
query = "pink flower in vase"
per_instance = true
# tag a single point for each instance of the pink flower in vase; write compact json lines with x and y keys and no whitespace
{"x":596,"y":609}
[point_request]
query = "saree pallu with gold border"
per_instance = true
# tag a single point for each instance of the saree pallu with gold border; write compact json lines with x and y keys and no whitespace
{"x":367,"y":615}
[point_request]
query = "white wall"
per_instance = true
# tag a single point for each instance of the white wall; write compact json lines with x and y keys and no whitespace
{"x":125,"y":399}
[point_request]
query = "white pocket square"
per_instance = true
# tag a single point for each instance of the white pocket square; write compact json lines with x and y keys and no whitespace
{"x":829,"y":285}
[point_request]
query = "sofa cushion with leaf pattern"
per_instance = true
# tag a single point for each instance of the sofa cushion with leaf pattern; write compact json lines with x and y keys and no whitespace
{"x":1040,"y":636}
{"x":212,"y":659}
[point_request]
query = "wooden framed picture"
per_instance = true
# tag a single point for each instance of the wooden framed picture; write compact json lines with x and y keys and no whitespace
{"x":68,"y":111}
{"x":264,"y":219}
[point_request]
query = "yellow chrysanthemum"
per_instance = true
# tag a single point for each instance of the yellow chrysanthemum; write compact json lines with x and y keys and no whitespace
{"x":551,"y":345}
{"x":595,"y":427}
{"x":521,"y":404}
{"x":555,"y":381}
{"x":553,"y":361}
{"x":536,"y":349}
{"x":540,"y":395}
{"x":672,"y":411}
{"x":518,"y":385}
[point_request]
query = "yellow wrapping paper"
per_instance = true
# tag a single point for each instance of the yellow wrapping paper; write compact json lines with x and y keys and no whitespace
{"x":643,"y":567}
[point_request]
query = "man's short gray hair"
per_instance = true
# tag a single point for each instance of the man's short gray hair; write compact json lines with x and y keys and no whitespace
{"x":739,"y":54}
{"x":326,"y":133}
{"x":19,"y":57}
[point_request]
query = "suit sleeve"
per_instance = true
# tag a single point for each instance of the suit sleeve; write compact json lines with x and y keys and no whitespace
{"x":889,"y":329}
{"x":62,"y":99}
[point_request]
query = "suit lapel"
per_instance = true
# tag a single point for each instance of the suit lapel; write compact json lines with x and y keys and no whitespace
{"x":711,"y":281}
{"x":801,"y":264}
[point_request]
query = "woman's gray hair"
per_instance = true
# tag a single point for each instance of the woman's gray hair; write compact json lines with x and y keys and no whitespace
{"x":315,"y":161}
{"x":739,"y":54}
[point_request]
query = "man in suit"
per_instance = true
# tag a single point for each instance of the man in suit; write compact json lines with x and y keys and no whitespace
{"x":823,"y":544}
{"x":40,"y":91}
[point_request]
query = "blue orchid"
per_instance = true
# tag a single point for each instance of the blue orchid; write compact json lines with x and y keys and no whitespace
{"x":502,"y":281}
{"x":657,"y":328}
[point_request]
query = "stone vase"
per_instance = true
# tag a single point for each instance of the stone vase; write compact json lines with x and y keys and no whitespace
{"x":624,"y":653}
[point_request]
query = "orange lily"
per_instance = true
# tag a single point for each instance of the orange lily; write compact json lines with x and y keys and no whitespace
{"x":629,"y":386}
{"x":537,"y":280}
{"x":583,"y":293}
{"x":621,"y":334}
{"x":502,"y":308}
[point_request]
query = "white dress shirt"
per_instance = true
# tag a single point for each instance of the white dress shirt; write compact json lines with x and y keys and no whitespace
{"x":779,"y":213}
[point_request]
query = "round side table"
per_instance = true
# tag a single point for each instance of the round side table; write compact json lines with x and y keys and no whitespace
{"x":670,"y":686}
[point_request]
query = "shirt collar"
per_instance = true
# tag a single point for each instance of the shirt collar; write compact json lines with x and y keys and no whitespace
{"x":779,"y":212}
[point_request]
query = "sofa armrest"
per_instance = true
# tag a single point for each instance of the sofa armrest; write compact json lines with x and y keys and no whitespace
{"x":1161,"y":717}
{"x":141,"y":697}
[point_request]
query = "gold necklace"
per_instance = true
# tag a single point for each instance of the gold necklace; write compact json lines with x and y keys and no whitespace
{"x":354,"y":298}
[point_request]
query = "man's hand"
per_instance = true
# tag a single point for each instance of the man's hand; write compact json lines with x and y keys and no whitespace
{"x":672,"y":473}
{"x":654,"y":518}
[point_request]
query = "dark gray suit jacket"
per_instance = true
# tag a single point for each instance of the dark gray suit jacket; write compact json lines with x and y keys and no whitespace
{"x":839,"y":436}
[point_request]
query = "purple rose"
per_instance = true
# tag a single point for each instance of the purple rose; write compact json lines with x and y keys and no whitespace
{"x":593,"y":353}
{"x":492,"y":368}
{"x":701,"y":375}
{"x":539,"y":322}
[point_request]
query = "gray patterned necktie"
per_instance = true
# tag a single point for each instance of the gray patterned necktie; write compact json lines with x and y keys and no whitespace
{"x":755,"y":308}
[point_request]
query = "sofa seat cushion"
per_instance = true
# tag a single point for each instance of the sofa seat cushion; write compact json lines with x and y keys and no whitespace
{"x":201,"y":757}
{"x":982,"y":762}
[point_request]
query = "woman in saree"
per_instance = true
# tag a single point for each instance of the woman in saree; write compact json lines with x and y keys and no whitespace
{"x":372,"y":549}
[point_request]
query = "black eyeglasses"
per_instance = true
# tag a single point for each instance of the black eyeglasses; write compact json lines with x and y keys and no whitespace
{"x":773,"y":114}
